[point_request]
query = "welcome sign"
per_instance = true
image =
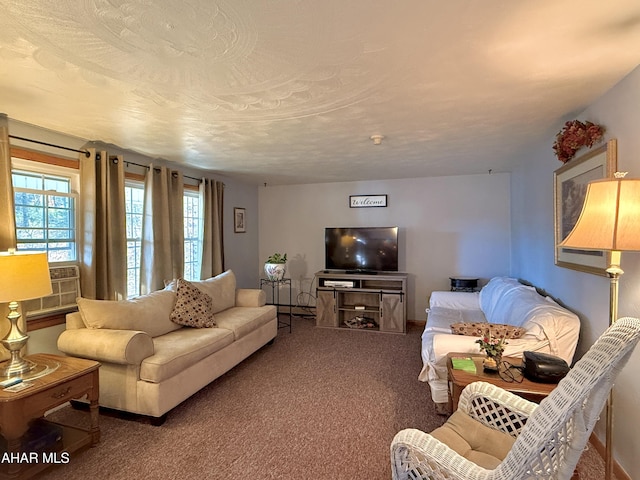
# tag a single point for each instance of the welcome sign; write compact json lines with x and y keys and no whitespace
{"x":366,"y":201}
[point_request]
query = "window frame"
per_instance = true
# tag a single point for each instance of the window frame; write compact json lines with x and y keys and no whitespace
{"x":23,"y":159}
{"x":137,"y":183}
{"x":193,"y":192}
{"x":21,"y":168}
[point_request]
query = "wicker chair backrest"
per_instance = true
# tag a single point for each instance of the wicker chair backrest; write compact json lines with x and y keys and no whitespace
{"x":551,"y":442}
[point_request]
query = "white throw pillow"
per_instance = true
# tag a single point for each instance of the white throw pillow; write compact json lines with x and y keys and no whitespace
{"x":147,"y":313}
{"x":221,"y":289}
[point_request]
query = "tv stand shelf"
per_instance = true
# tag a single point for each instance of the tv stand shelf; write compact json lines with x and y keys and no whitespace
{"x":362,"y":301}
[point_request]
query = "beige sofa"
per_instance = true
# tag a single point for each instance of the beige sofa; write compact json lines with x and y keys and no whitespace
{"x":149,"y":363}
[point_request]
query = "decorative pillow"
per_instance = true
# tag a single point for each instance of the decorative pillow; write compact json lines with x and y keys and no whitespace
{"x":221,"y":289}
{"x":496,"y":330}
{"x":147,"y":313}
{"x":193,"y":307}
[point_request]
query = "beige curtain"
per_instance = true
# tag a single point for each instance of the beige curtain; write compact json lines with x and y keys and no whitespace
{"x":102,"y":238}
{"x":7,"y":210}
{"x":7,"y":219}
{"x":212,"y":194}
{"x":162,"y":256}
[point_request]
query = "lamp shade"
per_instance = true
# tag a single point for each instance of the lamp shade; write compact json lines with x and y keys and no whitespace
{"x":23,"y":276}
{"x":610,"y":217}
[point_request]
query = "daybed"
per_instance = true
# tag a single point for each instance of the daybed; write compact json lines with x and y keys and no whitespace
{"x":544,"y":326}
{"x":157,"y":350}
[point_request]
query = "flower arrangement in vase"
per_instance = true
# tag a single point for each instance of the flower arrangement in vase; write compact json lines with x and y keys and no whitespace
{"x":575,"y":135}
{"x":493,"y":348}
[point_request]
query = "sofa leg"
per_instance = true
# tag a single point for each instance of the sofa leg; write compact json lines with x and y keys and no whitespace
{"x":442,"y":409}
{"x":158,"y":421}
{"x":272,"y":341}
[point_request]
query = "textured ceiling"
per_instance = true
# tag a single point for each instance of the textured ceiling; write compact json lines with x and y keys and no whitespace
{"x":290,"y":91}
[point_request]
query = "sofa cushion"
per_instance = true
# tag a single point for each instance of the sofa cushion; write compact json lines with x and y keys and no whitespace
{"x":482,"y":329}
{"x":193,"y":307}
{"x":221,"y":289}
{"x":478,"y":443}
{"x":178,"y":350}
{"x":147,"y":313}
{"x":244,"y":320}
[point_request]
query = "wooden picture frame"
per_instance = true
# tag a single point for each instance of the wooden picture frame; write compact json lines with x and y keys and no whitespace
{"x":239,"y":220}
{"x":570,"y":187}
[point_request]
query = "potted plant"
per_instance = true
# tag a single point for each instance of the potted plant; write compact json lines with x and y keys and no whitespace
{"x":275,"y":266}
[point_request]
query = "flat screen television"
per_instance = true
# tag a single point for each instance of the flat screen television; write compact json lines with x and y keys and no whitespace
{"x":361,"y":249}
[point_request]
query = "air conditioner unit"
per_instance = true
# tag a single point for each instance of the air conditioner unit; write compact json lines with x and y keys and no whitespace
{"x":65,"y":283}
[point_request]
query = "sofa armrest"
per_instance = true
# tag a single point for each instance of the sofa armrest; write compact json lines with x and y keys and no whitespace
{"x":444,"y":343}
{"x":126,"y":347}
{"x":74,"y":321}
{"x":455,"y":300}
{"x":250,"y":297}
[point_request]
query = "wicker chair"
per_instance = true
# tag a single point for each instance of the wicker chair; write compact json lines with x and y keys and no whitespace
{"x":546,"y":440}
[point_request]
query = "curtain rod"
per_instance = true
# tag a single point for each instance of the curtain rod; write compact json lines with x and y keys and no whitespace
{"x":50,"y":145}
{"x":86,"y":153}
{"x":127,"y":162}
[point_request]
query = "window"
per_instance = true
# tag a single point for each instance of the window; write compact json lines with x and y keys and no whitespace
{"x":45,"y":212}
{"x":134,"y":201}
{"x":192,"y":235}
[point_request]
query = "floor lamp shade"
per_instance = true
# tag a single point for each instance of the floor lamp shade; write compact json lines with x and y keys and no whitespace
{"x":610,"y":218}
{"x":23,"y":276}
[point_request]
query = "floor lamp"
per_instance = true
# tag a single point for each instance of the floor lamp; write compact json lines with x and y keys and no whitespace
{"x":23,"y":276}
{"x":610,"y":220}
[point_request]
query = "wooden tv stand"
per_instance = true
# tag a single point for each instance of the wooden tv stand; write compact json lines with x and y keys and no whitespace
{"x":362,"y":301}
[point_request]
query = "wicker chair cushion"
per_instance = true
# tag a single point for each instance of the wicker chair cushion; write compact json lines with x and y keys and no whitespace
{"x":478,"y":443}
{"x":485,"y":329}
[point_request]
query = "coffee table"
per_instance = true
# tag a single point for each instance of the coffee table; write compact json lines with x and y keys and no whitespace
{"x":458,"y":379}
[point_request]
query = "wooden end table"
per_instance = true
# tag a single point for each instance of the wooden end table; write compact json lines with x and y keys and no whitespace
{"x":68,"y":378}
{"x":458,"y":379}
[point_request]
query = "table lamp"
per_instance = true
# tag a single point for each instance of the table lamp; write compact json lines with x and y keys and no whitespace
{"x":610,"y":220}
{"x":23,"y":276}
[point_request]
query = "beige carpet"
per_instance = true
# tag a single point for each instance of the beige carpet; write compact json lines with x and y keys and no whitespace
{"x":318,"y":404}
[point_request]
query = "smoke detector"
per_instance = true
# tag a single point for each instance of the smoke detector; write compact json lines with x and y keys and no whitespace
{"x":377,"y":139}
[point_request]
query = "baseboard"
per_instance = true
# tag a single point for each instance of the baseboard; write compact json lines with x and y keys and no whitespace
{"x":600,"y":448}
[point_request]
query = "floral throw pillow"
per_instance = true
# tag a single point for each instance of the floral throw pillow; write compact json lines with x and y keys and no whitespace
{"x":495,"y":330}
{"x":193,"y":307}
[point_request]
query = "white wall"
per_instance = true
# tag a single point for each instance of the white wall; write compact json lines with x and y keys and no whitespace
{"x":586,"y":294}
{"x":448,"y":226}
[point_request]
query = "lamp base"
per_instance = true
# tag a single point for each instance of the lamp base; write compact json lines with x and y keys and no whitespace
{"x":14,"y":341}
{"x":16,"y":366}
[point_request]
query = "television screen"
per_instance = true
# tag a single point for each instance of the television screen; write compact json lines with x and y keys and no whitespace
{"x":372,"y":249}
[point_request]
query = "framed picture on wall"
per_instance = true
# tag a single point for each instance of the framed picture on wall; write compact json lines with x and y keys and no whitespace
{"x":570,"y":187}
{"x":239,"y":220}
